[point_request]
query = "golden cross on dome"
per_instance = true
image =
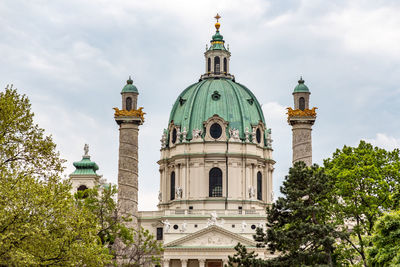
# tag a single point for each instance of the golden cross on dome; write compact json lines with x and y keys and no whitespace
{"x":217,"y":17}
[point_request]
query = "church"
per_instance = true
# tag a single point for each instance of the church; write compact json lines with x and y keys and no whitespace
{"x":216,"y":164}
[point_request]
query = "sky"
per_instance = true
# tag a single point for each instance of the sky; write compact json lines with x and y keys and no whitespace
{"x":72,"y":58}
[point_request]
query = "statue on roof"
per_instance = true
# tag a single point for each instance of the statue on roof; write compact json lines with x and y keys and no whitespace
{"x":86,"y":150}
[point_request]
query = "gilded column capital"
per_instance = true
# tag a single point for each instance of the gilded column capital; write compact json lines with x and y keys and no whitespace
{"x":301,"y":113}
{"x":129,"y":113}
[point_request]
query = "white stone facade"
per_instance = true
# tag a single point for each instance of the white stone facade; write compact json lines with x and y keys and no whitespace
{"x":199,"y":230}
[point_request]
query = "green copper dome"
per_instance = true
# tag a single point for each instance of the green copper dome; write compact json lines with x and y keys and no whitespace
{"x":230,"y":100}
{"x":129,"y":87}
{"x":85,"y":167}
{"x":301,"y":87}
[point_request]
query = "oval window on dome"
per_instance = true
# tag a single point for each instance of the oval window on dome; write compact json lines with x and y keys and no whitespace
{"x":174,"y":136}
{"x":215,"y":130}
{"x":258,"y":135}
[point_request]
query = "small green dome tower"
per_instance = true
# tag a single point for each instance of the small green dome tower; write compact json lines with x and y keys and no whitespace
{"x":85,"y":175}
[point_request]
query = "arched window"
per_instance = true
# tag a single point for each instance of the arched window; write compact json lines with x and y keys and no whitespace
{"x":174,"y":135}
{"x":209,"y":65}
{"x":128,"y":103}
{"x":302,"y":103}
{"x":215,"y":182}
{"x":225,"y":65}
{"x":172,"y":191}
{"x":259,"y":186}
{"x":82,"y":188}
{"x":258,"y":135}
{"x":217,"y":65}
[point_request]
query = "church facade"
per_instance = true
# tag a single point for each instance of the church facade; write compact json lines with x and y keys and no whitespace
{"x":216,"y":165}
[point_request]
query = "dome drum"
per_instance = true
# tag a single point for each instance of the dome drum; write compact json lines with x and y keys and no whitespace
{"x":216,"y":129}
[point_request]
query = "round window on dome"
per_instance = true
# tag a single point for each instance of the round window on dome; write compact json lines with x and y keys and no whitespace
{"x":215,"y":130}
{"x":174,"y":136}
{"x":258,"y":135}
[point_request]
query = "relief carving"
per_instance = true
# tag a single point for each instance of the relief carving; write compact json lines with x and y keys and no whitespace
{"x":212,"y":239}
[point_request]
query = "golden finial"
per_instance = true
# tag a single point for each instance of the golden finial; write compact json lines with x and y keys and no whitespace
{"x":217,"y":25}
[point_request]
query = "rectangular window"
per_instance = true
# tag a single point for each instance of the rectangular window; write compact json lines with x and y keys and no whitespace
{"x":159,"y":233}
{"x":259,"y":186}
{"x":172,"y":191}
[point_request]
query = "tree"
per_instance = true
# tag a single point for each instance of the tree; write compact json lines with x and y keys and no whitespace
{"x":364,"y":179}
{"x":298,"y":224}
{"x":100,"y":202}
{"x":139,"y":245}
{"x":385,"y":250}
{"x":24,"y":147}
{"x":39,"y":221}
{"x":242,"y":258}
{"x":142,"y":249}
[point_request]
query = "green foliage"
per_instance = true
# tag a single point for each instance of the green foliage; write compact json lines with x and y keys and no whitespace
{"x":139,"y":247}
{"x":298,"y":224}
{"x":24,"y":148}
{"x":364,"y":180}
{"x":103,"y":206}
{"x":142,"y":249}
{"x":385,"y":250}
{"x":242,"y":258}
{"x":39,"y":221}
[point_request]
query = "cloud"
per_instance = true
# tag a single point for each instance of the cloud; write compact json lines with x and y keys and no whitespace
{"x":367,"y":29}
{"x":72,"y":59}
{"x":274,"y":112}
{"x":148,"y":200}
{"x":385,"y":141}
{"x":275,"y":117}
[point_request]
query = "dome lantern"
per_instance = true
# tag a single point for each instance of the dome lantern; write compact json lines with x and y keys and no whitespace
{"x":301,"y":87}
{"x":217,"y":56}
{"x":129,"y":95}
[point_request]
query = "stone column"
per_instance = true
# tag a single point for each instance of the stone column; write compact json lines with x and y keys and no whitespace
{"x":166,"y":263}
{"x":128,"y":168}
{"x":301,"y":139}
{"x":184,"y":262}
{"x":202,"y":262}
{"x":225,"y":262}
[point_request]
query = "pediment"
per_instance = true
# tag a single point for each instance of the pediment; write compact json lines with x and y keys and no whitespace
{"x":213,"y":236}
